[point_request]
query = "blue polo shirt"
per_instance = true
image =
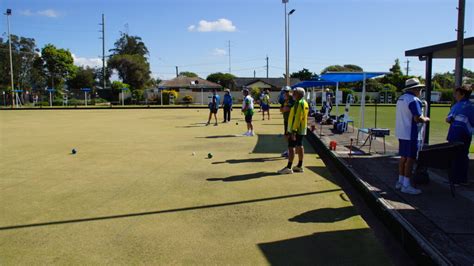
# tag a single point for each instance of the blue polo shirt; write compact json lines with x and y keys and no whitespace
{"x":227,"y":100}
{"x":462,"y":120}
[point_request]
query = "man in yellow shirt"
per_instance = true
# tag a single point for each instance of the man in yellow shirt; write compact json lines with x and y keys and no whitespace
{"x":297,"y":126}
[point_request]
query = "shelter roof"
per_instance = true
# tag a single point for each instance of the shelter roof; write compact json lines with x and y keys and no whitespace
{"x":444,"y":50}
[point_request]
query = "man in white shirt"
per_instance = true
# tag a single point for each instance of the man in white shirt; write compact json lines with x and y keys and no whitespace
{"x":407,"y":131}
{"x":247,"y":109}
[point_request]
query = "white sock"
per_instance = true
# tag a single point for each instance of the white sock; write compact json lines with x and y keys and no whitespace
{"x":400,"y":179}
{"x":406,"y":181}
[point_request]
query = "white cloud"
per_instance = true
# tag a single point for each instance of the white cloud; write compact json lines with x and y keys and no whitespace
{"x":90,"y":62}
{"x":219,"y":52}
{"x":50,"y":13}
{"x":221,"y":24}
{"x":26,"y":13}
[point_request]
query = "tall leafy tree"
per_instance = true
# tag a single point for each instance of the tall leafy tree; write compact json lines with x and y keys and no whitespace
{"x":58,"y":65}
{"x":226,"y":80}
{"x":188,"y":74}
{"x":82,"y":78}
{"x":24,"y":52}
{"x":303,"y":74}
{"x":132,"y":45}
{"x":129,"y":59}
{"x":343,"y":68}
{"x":132,"y":69}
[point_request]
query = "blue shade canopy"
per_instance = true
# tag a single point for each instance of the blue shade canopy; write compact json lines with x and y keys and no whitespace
{"x":314,"y":83}
{"x":350,"y":76}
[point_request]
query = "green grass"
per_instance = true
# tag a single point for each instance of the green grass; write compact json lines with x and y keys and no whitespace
{"x":135,"y":194}
{"x":386,"y":119}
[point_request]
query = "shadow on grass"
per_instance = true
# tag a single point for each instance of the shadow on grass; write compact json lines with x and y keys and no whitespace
{"x":273,"y":143}
{"x":220,"y":137}
{"x":128,"y":215}
{"x":346,"y":247}
{"x":251,"y":160}
{"x":324,"y":172}
{"x":325,"y":215}
{"x":243,"y":177}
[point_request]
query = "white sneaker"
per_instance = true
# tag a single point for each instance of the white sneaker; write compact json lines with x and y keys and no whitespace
{"x":398,"y":185}
{"x":251,"y":134}
{"x":246,"y":134}
{"x":411,"y":190}
{"x":285,"y":171}
{"x":284,"y":154}
{"x":297,"y":169}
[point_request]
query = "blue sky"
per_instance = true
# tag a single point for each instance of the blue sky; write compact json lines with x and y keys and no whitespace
{"x":194,"y":34}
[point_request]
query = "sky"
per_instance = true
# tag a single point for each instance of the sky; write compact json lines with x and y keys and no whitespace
{"x":195,"y":34}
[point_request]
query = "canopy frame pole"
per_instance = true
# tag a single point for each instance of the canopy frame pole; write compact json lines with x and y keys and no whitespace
{"x":362,"y":104}
{"x":337,"y":104}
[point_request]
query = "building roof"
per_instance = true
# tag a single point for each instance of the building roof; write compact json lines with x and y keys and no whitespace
{"x":188,"y":83}
{"x":444,"y":50}
{"x":274,"y":82}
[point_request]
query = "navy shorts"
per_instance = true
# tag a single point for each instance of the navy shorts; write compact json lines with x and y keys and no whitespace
{"x":295,"y":143}
{"x":407,"y":148}
{"x":248,"y":118}
{"x":265,"y":107}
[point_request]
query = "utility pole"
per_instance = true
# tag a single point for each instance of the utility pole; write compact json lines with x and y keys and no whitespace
{"x":103,"y":51}
{"x":230,"y":68}
{"x":267,"y":66}
{"x":177,"y":73}
{"x":8,"y":14}
{"x":254,"y":74}
{"x":460,"y":45}
{"x":408,"y":66}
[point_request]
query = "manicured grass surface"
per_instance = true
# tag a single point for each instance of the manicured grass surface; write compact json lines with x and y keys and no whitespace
{"x":386,"y":119}
{"x":135,"y":194}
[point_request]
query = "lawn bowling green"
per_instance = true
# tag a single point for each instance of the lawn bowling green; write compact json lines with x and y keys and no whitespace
{"x":141,"y":189}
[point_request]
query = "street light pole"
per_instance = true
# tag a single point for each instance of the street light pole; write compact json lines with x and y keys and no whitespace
{"x":288,"y":60}
{"x":286,"y":47}
{"x":8,"y":14}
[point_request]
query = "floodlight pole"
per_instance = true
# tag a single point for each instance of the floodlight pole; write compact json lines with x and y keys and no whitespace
{"x":85,"y":98}
{"x":8,"y":14}
{"x":286,"y":47}
{"x":288,"y":52}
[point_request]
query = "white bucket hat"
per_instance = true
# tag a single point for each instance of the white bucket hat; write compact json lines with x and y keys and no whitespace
{"x":413,"y":83}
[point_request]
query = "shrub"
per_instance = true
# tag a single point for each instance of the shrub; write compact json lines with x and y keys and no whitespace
{"x":255,"y":93}
{"x":187,"y":99}
{"x":446,"y":95}
{"x":166,"y":96}
{"x":346,"y":92}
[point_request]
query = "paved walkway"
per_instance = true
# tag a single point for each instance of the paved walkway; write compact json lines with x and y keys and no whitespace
{"x":443,"y":225}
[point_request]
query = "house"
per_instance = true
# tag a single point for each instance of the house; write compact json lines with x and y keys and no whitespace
{"x":273,"y":84}
{"x":196,"y":87}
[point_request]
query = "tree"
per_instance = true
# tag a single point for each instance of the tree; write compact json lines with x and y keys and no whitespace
{"x":303,"y":74}
{"x":58,"y":65}
{"x":396,"y":69}
{"x":188,"y":74}
{"x":226,"y":80}
{"x":132,"y":69}
{"x":131,"y":45}
{"x":344,"y":68}
{"x":130,"y":61}
{"x":117,"y":85}
{"x":444,"y":80}
{"x":82,"y":78}
{"x":24,"y":53}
